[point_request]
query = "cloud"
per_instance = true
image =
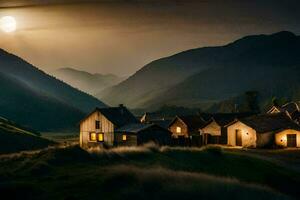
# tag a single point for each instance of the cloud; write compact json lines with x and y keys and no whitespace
{"x":134,"y":32}
{"x":34,"y":3}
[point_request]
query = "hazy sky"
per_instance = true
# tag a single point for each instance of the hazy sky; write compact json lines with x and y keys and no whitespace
{"x":119,"y":37}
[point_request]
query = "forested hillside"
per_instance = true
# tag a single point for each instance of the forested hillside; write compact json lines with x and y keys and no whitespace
{"x":34,"y":99}
{"x":268,"y":64}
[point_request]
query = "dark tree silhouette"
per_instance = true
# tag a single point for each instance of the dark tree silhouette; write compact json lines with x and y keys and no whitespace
{"x":252,"y":101}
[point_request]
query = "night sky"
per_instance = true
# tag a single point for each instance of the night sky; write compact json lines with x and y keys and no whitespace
{"x":121,"y":36}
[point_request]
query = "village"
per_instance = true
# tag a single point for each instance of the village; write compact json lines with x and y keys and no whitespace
{"x":116,"y":126}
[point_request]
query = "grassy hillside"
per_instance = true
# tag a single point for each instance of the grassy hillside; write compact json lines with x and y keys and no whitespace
{"x":35,"y":109}
{"x":14,"y":138}
{"x":267,"y":63}
{"x":145,"y":173}
{"x":158,"y":76}
{"x":87,"y":82}
{"x":35,"y":99}
{"x":232,"y":81}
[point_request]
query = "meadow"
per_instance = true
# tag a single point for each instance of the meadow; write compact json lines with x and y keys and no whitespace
{"x":148,"y":172}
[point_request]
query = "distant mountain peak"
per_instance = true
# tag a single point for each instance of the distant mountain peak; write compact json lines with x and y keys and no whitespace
{"x":284,"y":34}
{"x":190,"y":77}
{"x":91,"y":83}
{"x":264,"y":40}
{"x":69,"y":69}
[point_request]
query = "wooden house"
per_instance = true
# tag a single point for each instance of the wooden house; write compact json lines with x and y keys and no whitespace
{"x":215,"y":131}
{"x":98,"y":128}
{"x":185,"y":130}
{"x":264,"y":130}
{"x":139,"y":134}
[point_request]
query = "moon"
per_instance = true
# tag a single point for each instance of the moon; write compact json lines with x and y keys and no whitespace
{"x":8,"y":24}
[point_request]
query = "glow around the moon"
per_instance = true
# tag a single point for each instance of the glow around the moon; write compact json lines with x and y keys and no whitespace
{"x":8,"y":24}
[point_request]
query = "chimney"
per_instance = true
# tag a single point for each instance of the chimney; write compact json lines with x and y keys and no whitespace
{"x":121,"y":106}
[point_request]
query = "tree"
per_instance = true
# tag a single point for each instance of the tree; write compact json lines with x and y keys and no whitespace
{"x":252,"y":101}
{"x":279,"y":101}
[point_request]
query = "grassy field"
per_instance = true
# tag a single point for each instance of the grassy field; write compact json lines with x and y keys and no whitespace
{"x":65,"y":138}
{"x":146,"y":172}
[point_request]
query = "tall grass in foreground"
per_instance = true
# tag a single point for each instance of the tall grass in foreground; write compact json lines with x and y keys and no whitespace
{"x":152,"y":148}
{"x":129,"y":182}
{"x":143,"y":172}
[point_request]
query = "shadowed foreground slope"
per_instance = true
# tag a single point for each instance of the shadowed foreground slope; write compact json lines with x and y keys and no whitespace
{"x":144,"y":173}
{"x":15,"y":138}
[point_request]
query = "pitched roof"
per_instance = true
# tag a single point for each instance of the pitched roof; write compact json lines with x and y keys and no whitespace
{"x":224,"y":119}
{"x":119,"y":116}
{"x":150,"y":116}
{"x":133,"y":128}
{"x":136,"y":127}
{"x":270,"y":122}
{"x":274,"y":109}
{"x":162,"y":123}
{"x":290,"y":108}
{"x":193,"y":122}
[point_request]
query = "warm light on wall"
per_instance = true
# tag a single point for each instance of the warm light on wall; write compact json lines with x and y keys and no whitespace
{"x":124,"y":137}
{"x":93,"y":136}
{"x":100,"y":137}
{"x":283,"y":138}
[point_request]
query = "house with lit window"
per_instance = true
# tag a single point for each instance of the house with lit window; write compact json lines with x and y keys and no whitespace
{"x":139,"y":134}
{"x":265,"y":130}
{"x":185,"y":130}
{"x":215,"y":130}
{"x":99,"y":127}
{"x":117,"y":126}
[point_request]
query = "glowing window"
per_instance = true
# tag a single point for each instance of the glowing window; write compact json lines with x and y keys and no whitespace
{"x":100,"y":137}
{"x":124,"y":137}
{"x":93,"y":137}
{"x":178,"y":129}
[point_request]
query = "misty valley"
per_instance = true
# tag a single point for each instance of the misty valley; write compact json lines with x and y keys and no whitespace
{"x":149,"y":100}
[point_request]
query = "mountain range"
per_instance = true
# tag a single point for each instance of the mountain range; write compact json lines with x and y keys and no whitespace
{"x":34,"y":99}
{"x":204,"y":77}
{"x":87,"y":82}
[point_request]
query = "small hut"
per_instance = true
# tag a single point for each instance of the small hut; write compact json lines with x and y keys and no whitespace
{"x":139,"y":134}
{"x":215,"y":131}
{"x":263,"y":131}
{"x":185,"y":130}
